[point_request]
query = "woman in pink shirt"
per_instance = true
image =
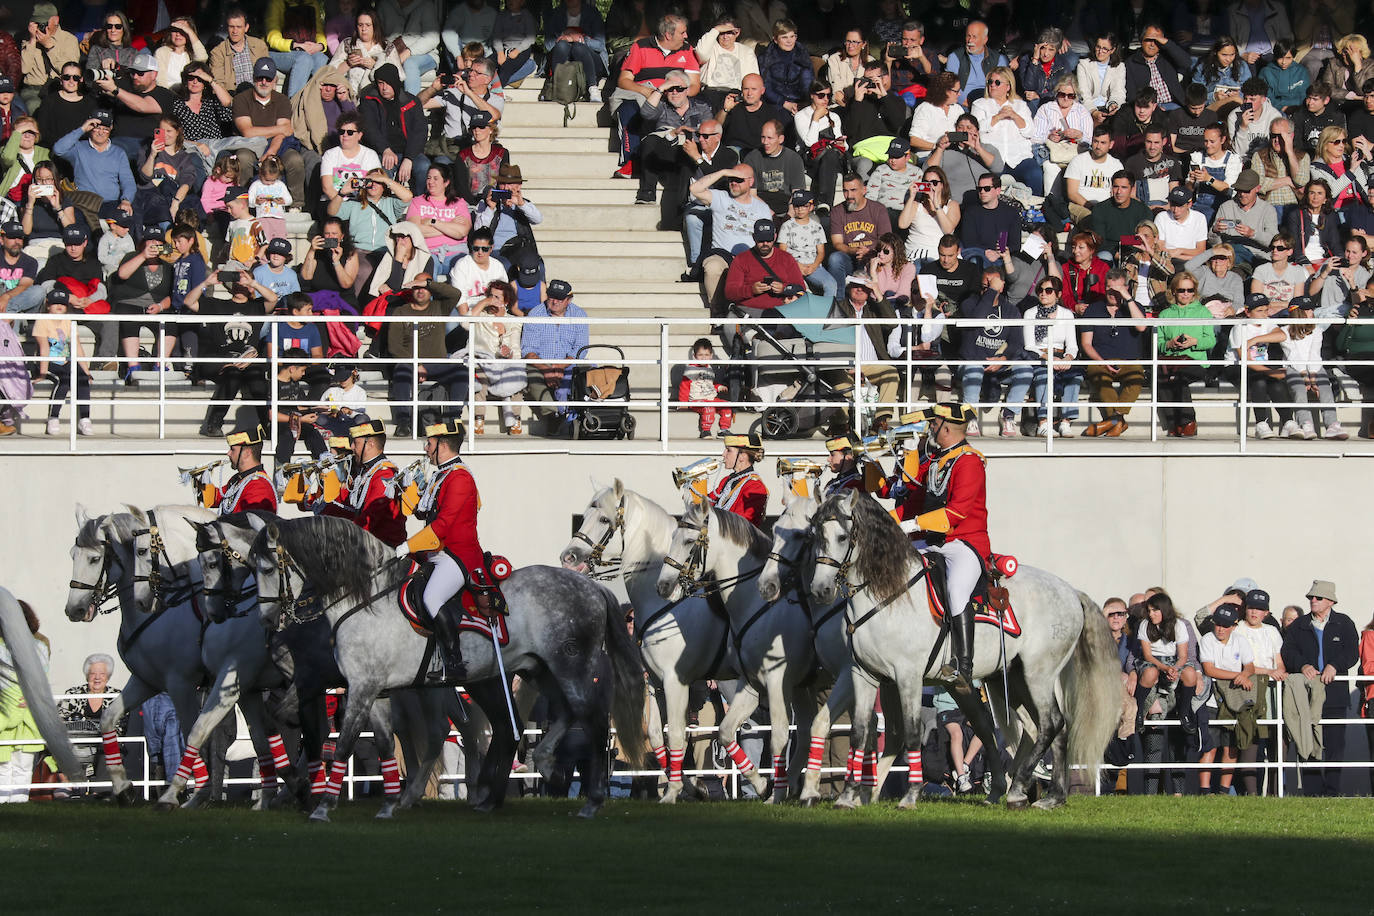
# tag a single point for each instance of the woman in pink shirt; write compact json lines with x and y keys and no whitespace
{"x":442,"y":215}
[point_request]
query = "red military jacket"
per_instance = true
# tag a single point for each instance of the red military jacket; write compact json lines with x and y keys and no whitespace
{"x":246,"y":490}
{"x":366,"y":502}
{"x":742,"y":493}
{"x":450,"y":505}
{"x":950,"y":497}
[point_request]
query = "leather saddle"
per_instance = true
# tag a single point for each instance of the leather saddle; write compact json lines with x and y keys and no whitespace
{"x":991,"y":603}
{"x":480,"y":598}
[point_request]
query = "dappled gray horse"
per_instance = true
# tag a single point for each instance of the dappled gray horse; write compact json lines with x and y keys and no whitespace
{"x":1064,"y":654}
{"x":566,"y":633}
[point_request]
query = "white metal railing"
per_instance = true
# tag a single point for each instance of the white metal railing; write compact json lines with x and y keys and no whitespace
{"x":839,"y":359}
{"x":731,"y":774}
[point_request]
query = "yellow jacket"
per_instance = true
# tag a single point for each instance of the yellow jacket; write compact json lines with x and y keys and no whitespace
{"x":276,"y":11}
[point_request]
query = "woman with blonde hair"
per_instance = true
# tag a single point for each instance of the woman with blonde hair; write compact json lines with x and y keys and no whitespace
{"x":1184,"y":345}
{"x":1345,"y":74}
{"x":1006,"y":123}
{"x":1340,"y":166}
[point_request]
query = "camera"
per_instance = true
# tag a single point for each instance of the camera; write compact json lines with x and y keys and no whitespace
{"x":866,"y":83}
{"x":500,"y":195}
{"x":1342,"y":262}
{"x":958,"y":136}
{"x":922,"y":187}
{"x":227,"y":277}
{"x":734,"y":94}
{"x":331,"y":243}
{"x":95,"y":74}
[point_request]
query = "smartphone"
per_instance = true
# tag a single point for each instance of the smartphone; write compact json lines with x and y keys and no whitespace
{"x":226,"y":277}
{"x":331,"y":243}
{"x":922,"y":187}
{"x":160,"y":136}
{"x":958,"y":136}
{"x":1001,"y":241}
{"x":42,"y":190}
{"x":1132,"y":241}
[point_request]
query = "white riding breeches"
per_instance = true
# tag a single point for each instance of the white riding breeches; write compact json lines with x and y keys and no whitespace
{"x":444,"y":581}
{"x":963,"y":567}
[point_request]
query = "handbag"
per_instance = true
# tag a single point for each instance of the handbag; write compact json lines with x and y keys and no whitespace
{"x":1062,"y":151}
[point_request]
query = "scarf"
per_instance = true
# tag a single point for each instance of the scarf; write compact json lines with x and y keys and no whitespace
{"x":1042,"y":331}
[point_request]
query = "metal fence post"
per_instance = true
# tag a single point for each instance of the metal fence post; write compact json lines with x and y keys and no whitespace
{"x":159,"y":345}
{"x":1154,"y":384}
{"x":470,"y":400}
{"x":272,"y":371}
{"x":73,"y":348}
{"x":1243,"y":388}
{"x":415,"y":380}
{"x":665,"y":376}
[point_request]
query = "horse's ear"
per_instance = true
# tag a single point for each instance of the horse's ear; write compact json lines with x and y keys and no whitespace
{"x":107,"y":529}
{"x":619,"y":489}
{"x":136,"y":512}
{"x":273,"y":531}
{"x":82,"y":516}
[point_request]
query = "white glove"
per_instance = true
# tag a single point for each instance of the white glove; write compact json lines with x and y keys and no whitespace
{"x":402,"y":550}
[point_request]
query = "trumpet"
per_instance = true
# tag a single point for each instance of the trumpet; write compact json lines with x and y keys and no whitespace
{"x":409,"y":486}
{"x":695,"y":471}
{"x":899,"y":436}
{"x":200,"y":474}
{"x":787,"y":466}
{"x":874,"y":446}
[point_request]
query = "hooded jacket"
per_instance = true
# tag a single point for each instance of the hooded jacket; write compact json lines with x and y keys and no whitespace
{"x":419,"y":263}
{"x":399,"y":124}
{"x":307,"y":111}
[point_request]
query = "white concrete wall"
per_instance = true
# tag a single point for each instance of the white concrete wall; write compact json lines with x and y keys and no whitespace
{"x":1110,"y":526}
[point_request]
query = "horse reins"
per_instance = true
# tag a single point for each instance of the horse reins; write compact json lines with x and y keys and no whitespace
{"x":594,"y":559}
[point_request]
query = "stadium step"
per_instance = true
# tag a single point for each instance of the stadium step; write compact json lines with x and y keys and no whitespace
{"x":575,"y":164}
{"x":576,"y":217}
{"x":533,"y":113}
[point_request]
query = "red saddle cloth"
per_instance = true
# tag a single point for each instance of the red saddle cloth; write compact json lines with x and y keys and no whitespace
{"x":484,"y":605}
{"x":991,"y":601}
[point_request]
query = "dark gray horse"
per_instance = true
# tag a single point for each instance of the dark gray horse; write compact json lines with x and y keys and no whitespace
{"x":567,"y":634}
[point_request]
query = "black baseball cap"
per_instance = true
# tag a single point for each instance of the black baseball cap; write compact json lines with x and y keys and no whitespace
{"x":1257,"y":598}
{"x":12,"y":229}
{"x":104,"y":116}
{"x":559,"y":289}
{"x":75,"y":234}
{"x":1228,"y":615}
{"x":279,"y":246}
{"x":764,"y":231}
{"x":59,"y":293}
{"x":1255,"y":301}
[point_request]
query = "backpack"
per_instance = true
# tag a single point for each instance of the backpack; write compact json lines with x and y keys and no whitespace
{"x":567,"y":86}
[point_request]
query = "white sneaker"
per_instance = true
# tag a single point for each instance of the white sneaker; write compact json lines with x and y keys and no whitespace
{"x":1064,"y":430}
{"x":594,"y":93}
{"x":1009,"y":430}
{"x":1335,"y":431}
{"x":1264,"y":430}
{"x":973,"y":431}
{"x":1042,"y":429}
{"x":83,"y":426}
{"x":965,"y":783}
{"x":1289,"y":430}
{"x":1309,"y":431}
{"x":54,"y":428}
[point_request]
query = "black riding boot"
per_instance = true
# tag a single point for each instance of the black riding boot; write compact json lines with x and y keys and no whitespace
{"x":961,"y":638}
{"x":447,"y":634}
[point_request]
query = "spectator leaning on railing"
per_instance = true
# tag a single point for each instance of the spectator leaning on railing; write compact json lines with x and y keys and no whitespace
{"x":1318,"y":647}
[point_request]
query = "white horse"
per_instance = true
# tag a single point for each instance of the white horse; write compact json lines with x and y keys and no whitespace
{"x":156,"y":550}
{"x":1063,"y":665}
{"x":681,"y":641}
{"x":21,"y":664}
{"x":787,"y":576}
{"x":723,"y":552}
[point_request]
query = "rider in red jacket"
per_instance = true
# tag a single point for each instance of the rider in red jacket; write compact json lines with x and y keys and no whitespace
{"x":250,"y":487}
{"x":365,"y":500}
{"x":449,"y":504}
{"x":742,"y":490}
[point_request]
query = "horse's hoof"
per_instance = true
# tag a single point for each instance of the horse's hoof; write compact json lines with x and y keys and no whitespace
{"x":671,"y":794}
{"x":284,"y":798}
{"x":848,"y":798}
{"x":164,"y":807}
{"x":126,"y":797}
{"x":485,"y":806}
{"x":1017,"y":802}
{"x":320,"y":815}
{"x":809,"y":801}
{"x":589,"y":810}
{"x":911,"y":799}
{"x":1049,"y":803}
{"x":387,"y":811}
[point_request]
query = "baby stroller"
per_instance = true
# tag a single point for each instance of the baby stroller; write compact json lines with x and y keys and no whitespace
{"x":608,"y":382}
{"x":780,"y":385}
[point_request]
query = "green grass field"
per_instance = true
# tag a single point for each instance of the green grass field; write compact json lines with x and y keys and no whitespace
{"x":1218,"y":855}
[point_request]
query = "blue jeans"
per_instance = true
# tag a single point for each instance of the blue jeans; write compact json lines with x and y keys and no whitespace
{"x":1030,"y":173}
{"x":822,"y":283}
{"x":694,"y":223}
{"x":840,"y":266}
{"x":974,"y":379}
{"x":1066,"y":384}
{"x":419,"y":168}
{"x":299,"y":67}
{"x":417,"y":66}
{"x":454,"y":378}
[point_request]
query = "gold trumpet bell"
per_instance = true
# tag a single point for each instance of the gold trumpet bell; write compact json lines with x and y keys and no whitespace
{"x":330,"y":485}
{"x":410,"y":499}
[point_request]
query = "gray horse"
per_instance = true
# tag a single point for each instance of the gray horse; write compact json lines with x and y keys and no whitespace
{"x":1062,"y":672}
{"x":304,"y":649}
{"x":566,"y":633}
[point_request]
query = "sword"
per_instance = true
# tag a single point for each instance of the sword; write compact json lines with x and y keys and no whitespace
{"x":505,"y":684}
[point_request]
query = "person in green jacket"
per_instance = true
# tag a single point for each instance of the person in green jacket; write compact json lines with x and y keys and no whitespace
{"x":20,"y":154}
{"x":16,"y":724}
{"x":1184,"y":343}
{"x":1356,"y":341}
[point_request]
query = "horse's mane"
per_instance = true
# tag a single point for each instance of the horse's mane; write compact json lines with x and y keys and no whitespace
{"x":882,"y":552}
{"x":124,"y":524}
{"x":337,"y":556}
{"x":734,"y":528}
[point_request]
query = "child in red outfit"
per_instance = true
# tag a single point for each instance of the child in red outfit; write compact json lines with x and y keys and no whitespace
{"x":699,"y":386}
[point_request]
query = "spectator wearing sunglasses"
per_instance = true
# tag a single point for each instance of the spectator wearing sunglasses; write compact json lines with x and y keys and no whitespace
{"x":349,"y":160}
{"x":67,"y":105}
{"x":111,"y":44}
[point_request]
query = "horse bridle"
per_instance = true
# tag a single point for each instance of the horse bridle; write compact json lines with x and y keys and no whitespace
{"x":842,"y":566}
{"x":286,"y":599}
{"x":598,"y":547}
{"x":102,"y":591}
{"x":232,"y":596}
{"x":689,"y":572}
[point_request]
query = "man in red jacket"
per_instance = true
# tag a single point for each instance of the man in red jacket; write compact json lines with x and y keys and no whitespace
{"x":449,"y":504}
{"x":742,"y":491}
{"x":765,"y":276}
{"x":250,"y":487}
{"x":949,"y":500}
{"x":365,"y":499}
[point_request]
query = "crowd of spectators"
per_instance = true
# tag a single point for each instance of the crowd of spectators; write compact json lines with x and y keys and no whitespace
{"x":1149,"y":162}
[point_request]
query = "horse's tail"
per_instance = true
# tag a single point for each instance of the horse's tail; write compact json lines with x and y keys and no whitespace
{"x":33,"y":683}
{"x":1092,"y":687}
{"x":627,"y":707}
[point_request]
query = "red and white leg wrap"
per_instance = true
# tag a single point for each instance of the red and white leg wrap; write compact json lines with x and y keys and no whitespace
{"x":267,"y":774}
{"x":779,"y":768}
{"x":675,"y":764}
{"x":188,"y":759}
{"x":914,"y":776}
{"x":391,"y":777}
{"x":316,"y":777}
{"x":200,"y":772}
{"x":327,"y":751}
{"x":817,"y":754}
{"x":852,"y":765}
{"x":280,"y":761}
{"x":110,"y":743}
{"x":334,"y":784}
{"x":741,"y":759}
{"x":869,"y":769}
{"x":661,"y":755}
